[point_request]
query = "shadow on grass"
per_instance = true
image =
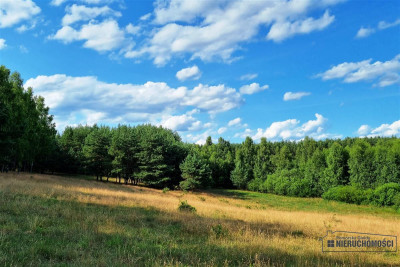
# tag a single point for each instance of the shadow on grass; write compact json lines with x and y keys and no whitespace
{"x":38,"y":230}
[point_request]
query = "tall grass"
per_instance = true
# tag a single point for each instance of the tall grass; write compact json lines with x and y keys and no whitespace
{"x":57,"y":220}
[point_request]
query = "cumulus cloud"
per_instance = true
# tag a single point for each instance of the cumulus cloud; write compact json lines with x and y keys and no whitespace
{"x":364,"y":129}
{"x":283,"y":30}
{"x":291,"y":129}
{"x":213,"y":99}
{"x":214,"y":30}
{"x":76,"y":13}
{"x":15,"y":11}
{"x":385,"y":73}
{"x":57,"y":2}
{"x":2,"y":44}
{"x":131,"y":29}
{"x":249,"y":76}
{"x":384,"y":130}
{"x":382,"y":25}
{"x":104,"y":36}
{"x":132,"y":103}
{"x":182,"y":123}
{"x":294,"y":96}
{"x":252,"y":88}
{"x":234,"y":122}
{"x":192,"y":73}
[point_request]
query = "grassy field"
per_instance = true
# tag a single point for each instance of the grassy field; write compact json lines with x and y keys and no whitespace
{"x":54,"y":220}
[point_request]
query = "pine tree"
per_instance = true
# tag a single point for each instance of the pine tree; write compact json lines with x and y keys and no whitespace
{"x":195,"y":172}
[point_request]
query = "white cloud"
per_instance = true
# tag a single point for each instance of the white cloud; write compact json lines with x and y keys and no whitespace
{"x":213,"y":99}
{"x":364,"y":32}
{"x":214,"y":30}
{"x":294,"y":96}
{"x":76,"y":13}
{"x":104,"y":36}
{"x":14,"y":11}
{"x":2,"y":44}
{"x":222,"y":130}
{"x":249,"y":76}
{"x":128,"y":103}
{"x":385,"y":25}
{"x":387,"y":73}
{"x":234,"y":122}
{"x":131,"y":29}
{"x":182,"y":123}
{"x":252,"y":88}
{"x":385,"y":130}
{"x":145,"y":17}
{"x":292,"y":130}
{"x":192,"y":73}
{"x":199,"y":139}
{"x":283,"y":30}
{"x":364,"y":130}
{"x":382,"y":25}
{"x":57,"y":2}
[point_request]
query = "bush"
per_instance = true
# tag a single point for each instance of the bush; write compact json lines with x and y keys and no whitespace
{"x":219,"y":231}
{"x":189,"y":184}
{"x":165,"y":190}
{"x":255,"y":185}
{"x":386,"y":195}
{"x":348,"y":194}
{"x":396,"y":201}
{"x":184,"y":206}
{"x":288,"y":182}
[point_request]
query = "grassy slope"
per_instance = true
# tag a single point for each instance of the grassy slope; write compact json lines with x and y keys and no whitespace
{"x":54,"y":220}
{"x":306,"y":204}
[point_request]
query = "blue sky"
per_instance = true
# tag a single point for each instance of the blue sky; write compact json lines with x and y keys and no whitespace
{"x":275,"y":69}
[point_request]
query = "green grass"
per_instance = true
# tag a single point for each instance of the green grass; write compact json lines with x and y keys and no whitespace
{"x":305,"y":204}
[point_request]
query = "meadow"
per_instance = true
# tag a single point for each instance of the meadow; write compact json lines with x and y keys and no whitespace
{"x":78,"y":221}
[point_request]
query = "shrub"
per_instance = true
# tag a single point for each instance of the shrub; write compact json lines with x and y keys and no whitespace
{"x":219,"y":231}
{"x":396,"y":201}
{"x":189,"y":184}
{"x":348,"y":194}
{"x":184,"y":206}
{"x":288,"y":182}
{"x":385,"y":195}
{"x":165,"y":190}
{"x":255,"y":185}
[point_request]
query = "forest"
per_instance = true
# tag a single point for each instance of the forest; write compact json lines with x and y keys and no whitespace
{"x":352,"y":170}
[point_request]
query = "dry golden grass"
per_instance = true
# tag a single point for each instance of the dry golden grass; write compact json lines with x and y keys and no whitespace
{"x":252,"y":227}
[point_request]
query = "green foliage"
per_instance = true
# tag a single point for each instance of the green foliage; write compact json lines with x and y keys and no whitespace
{"x":289,"y":182}
{"x":185,"y":207}
{"x":396,"y":201}
{"x":160,"y":152}
{"x":255,"y":184}
{"x":386,"y":195}
{"x":27,"y":131}
{"x":95,"y":151}
{"x":336,"y":171}
{"x":361,"y":164}
{"x":165,"y":190}
{"x":348,"y":194}
{"x":315,"y":172}
{"x":195,"y":172}
{"x":219,"y":231}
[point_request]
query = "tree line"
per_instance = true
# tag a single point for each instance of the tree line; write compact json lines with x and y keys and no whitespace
{"x":354,"y":170}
